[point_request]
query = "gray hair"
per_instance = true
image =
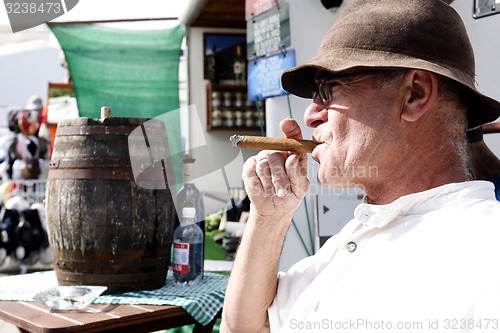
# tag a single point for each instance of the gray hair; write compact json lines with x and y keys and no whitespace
{"x":453,"y":112}
{"x":453,"y":122}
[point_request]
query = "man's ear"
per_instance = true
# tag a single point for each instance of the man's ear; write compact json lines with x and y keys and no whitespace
{"x":421,"y":93}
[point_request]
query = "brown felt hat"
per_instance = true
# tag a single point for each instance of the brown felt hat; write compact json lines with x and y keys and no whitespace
{"x":419,"y":34}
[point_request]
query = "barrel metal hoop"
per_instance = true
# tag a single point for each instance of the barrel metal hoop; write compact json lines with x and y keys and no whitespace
{"x":90,"y":162}
{"x":112,"y":279}
{"x":90,"y":130}
{"x":101,"y":173}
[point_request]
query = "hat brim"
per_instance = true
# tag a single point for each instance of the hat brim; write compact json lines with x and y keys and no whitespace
{"x":300,"y":80}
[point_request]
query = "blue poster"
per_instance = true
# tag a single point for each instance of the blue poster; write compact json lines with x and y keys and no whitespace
{"x":264,"y":75}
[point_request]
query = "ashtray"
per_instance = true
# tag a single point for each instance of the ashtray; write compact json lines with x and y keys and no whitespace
{"x":69,"y":297}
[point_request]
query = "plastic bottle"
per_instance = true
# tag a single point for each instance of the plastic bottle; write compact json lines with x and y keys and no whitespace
{"x":190,"y":196}
{"x":188,"y":250}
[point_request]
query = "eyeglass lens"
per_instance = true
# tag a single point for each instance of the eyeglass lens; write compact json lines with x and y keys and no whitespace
{"x":323,"y":91}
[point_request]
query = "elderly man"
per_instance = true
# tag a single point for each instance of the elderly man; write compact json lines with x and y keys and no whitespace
{"x":392,"y":88}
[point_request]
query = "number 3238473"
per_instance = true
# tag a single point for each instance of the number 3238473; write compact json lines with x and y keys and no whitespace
{"x":33,"y":7}
{"x":478,"y":324}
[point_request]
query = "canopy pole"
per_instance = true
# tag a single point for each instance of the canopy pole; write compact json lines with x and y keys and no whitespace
{"x":115,"y":21}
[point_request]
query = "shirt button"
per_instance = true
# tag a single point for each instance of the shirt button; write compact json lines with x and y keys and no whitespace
{"x":351,"y":247}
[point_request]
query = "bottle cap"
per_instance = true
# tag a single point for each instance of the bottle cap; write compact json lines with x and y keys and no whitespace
{"x":188,"y":212}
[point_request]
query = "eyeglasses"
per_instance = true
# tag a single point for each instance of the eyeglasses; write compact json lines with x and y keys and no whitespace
{"x":324,"y":88}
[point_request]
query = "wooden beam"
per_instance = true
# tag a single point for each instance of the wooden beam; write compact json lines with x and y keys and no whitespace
{"x":222,"y":14}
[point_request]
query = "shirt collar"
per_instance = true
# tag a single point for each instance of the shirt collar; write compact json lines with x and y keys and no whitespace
{"x":421,"y":202}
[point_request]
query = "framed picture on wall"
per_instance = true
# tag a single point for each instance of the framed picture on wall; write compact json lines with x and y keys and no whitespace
{"x":220,"y":52}
{"x":61,"y":104}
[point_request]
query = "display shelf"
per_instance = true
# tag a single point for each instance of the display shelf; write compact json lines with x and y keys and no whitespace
{"x":228,"y":109}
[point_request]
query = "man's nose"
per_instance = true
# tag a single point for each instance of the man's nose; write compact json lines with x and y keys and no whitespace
{"x":315,"y":115}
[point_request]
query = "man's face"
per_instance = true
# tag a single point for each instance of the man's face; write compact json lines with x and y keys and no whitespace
{"x":357,"y":130}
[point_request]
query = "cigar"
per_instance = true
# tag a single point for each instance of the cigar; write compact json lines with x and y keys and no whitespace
{"x":261,"y":143}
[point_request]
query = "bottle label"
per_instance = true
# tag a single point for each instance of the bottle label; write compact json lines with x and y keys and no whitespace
{"x":181,"y":258}
{"x":238,"y":68}
{"x":188,"y":171}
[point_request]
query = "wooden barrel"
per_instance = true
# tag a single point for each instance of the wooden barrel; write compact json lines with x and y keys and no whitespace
{"x":104,"y":229}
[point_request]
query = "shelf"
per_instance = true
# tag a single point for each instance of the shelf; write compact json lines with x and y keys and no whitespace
{"x":228,"y":109}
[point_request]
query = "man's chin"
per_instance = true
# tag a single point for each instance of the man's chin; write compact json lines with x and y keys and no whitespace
{"x":338,"y":183}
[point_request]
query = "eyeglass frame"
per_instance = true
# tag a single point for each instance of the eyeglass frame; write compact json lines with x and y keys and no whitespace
{"x":325,"y":86}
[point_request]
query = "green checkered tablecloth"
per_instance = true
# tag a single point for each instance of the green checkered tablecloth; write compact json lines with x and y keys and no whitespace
{"x":201,"y":301}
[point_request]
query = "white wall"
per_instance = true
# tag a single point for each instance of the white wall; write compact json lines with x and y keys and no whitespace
{"x":309,"y":22}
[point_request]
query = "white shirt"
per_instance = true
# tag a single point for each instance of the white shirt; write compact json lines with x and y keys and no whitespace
{"x":427,"y":262}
